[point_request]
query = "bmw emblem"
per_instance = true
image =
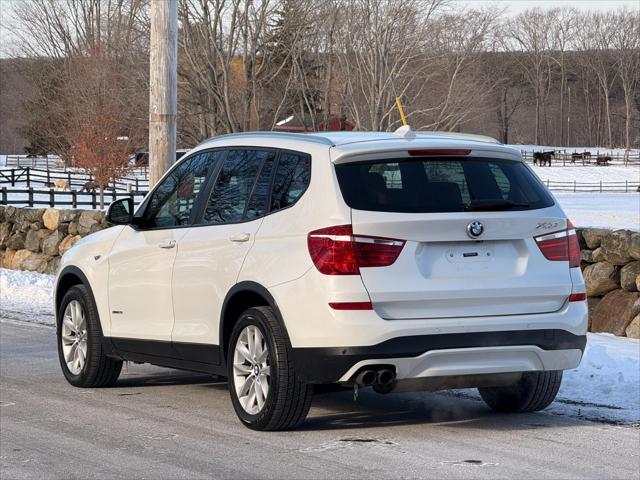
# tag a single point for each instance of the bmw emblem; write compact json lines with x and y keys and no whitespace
{"x":475,"y":229}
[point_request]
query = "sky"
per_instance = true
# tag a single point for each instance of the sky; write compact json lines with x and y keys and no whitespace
{"x":517,"y":6}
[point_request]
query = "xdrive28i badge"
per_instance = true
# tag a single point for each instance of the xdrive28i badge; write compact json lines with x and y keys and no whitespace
{"x":475,"y":229}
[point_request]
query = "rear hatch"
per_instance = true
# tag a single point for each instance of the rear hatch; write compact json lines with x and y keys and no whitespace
{"x":469,"y":224}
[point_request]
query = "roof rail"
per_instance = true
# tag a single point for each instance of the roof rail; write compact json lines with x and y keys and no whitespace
{"x":293,"y":136}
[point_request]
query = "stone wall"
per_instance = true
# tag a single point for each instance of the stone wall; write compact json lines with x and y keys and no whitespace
{"x":35,"y":238}
{"x":611,"y":269}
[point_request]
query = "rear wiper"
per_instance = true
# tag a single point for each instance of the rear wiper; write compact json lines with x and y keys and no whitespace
{"x":492,"y":204}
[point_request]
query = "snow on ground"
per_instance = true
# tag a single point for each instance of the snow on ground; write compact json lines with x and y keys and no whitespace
{"x":605,"y":387}
{"x":26,"y":296}
{"x":607,"y":210}
{"x":589,"y":173}
{"x":594,"y":150}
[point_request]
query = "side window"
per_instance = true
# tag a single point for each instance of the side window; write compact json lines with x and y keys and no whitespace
{"x":230,"y":195}
{"x":291,"y":179}
{"x":171,"y":202}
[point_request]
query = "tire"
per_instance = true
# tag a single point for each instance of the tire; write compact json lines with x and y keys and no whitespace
{"x":534,"y":391}
{"x":288,"y":399}
{"x":98,"y":370}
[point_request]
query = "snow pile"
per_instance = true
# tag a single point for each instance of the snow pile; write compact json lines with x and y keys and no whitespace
{"x":606,"y":210}
{"x":606,"y":385}
{"x":26,"y":296}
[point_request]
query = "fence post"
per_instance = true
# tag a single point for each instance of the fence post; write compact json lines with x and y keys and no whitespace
{"x":574,"y":186}
{"x":52,"y":201}
{"x":13,"y":177}
{"x":600,"y":185}
{"x":69,"y":179}
{"x":137,"y":186}
{"x":93,"y":199}
{"x":30,"y":196}
{"x":74,"y":199}
{"x":28,"y":177}
{"x":113,"y":193}
{"x":547,"y":183}
{"x":5,"y":200}
{"x":48,"y":177}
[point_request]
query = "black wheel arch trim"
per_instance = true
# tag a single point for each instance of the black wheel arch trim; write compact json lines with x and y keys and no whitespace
{"x":70,"y":270}
{"x":256,"y":288}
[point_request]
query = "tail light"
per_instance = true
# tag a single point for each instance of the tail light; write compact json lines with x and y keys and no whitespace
{"x":561,"y":246}
{"x":578,"y":297}
{"x":337,"y":251}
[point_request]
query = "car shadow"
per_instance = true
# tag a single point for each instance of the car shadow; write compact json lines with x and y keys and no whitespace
{"x":337,"y":410}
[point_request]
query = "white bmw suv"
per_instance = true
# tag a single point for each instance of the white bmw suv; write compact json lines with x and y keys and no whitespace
{"x":282,"y":261}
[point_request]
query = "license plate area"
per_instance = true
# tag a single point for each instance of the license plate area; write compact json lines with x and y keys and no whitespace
{"x":471,"y":253}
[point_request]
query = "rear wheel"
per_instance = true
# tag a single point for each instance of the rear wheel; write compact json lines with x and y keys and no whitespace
{"x":534,"y":391}
{"x":80,"y":352}
{"x":265,"y":390}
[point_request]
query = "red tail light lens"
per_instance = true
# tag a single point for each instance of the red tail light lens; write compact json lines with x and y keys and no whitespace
{"x":337,"y":251}
{"x":574,"y":246}
{"x":577,"y":297}
{"x":561,"y":246}
{"x":351,"y":306}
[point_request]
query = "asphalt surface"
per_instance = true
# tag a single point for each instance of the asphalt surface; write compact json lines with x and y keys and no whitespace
{"x":158,"y":423}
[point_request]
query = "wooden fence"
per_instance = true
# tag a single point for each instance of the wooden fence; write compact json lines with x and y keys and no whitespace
{"x":599,"y":187}
{"x":53,"y":198}
{"x":564,"y":157}
{"x":75,"y":180}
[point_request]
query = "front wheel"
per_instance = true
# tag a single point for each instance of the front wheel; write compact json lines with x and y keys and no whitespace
{"x":265,"y":390}
{"x":83,"y":361}
{"x":534,"y":391}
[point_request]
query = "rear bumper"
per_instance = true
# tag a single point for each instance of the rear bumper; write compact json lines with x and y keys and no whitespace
{"x":454,"y":354}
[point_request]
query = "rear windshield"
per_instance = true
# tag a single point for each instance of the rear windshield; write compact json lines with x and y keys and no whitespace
{"x":441,"y":185}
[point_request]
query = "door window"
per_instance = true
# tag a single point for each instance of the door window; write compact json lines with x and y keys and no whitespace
{"x":232,"y":190}
{"x":171,"y":203}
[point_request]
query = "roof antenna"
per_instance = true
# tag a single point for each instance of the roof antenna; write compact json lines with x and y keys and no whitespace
{"x":405,"y":130}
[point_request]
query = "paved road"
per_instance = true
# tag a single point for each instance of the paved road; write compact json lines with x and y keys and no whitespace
{"x":160,"y":423}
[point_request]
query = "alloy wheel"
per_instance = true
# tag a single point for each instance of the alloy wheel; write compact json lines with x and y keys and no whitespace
{"x":74,"y":337}
{"x":251,"y":369}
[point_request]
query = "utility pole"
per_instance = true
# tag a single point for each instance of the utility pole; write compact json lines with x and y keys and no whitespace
{"x":163,"y":87}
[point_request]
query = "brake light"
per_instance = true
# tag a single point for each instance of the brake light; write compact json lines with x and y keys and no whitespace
{"x":561,"y":246}
{"x":439,"y":152}
{"x":337,"y":251}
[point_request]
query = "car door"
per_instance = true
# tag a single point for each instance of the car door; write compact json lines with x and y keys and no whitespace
{"x":141,"y":261}
{"x":211,"y":253}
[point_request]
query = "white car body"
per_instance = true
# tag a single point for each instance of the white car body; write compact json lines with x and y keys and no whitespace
{"x":164,"y":295}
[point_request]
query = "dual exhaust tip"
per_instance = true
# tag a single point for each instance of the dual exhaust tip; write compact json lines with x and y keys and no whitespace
{"x":369,"y":377}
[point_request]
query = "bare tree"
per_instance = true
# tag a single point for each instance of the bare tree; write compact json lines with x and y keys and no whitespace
{"x":626,"y":52}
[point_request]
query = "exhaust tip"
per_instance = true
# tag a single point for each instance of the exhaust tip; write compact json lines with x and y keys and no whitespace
{"x":386,"y":377}
{"x":366,"y":377}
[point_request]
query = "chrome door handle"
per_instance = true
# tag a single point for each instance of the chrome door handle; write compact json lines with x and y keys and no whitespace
{"x":167,"y":244}
{"x":240,"y":237}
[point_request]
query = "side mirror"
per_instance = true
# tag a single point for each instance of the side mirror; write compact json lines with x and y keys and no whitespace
{"x":120,"y":212}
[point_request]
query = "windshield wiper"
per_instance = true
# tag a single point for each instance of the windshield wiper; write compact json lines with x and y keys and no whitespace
{"x":492,"y":204}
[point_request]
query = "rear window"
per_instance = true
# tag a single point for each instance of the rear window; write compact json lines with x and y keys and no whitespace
{"x":441,"y":185}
